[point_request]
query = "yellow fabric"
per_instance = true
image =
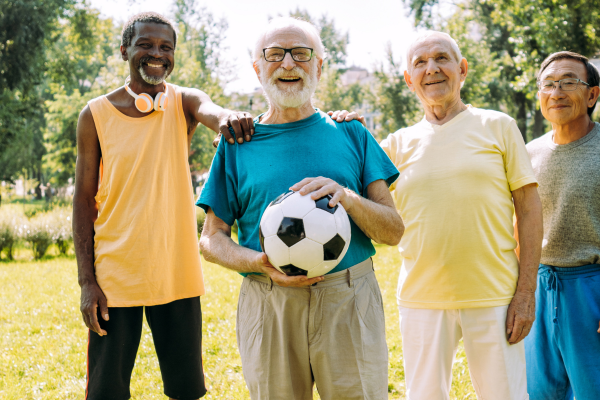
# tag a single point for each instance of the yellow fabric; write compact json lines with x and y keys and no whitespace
{"x":145,"y":243}
{"x":454,"y":196}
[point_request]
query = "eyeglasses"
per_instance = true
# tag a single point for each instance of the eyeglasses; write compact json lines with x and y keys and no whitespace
{"x":566,"y":85}
{"x":277,"y":54}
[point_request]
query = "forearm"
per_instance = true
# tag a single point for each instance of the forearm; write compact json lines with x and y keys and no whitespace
{"x":530,"y":233}
{"x":84,"y":215}
{"x":379,"y":222}
{"x":220,"y":249}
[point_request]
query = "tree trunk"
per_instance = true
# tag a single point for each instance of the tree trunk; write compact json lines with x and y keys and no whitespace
{"x":521,"y":103}
{"x":539,"y":124}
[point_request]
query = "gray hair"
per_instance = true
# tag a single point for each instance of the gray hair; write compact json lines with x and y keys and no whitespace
{"x":426,"y":35}
{"x":288,"y":22}
{"x":129,"y":28}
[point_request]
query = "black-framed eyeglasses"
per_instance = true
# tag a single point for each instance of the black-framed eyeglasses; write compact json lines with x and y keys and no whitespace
{"x":566,"y":85}
{"x":277,"y":54}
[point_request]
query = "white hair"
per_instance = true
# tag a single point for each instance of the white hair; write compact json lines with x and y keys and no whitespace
{"x":421,"y":37}
{"x":307,"y":28}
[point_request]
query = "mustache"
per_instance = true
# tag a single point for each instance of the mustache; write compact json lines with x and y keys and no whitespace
{"x":294,"y":72}
{"x":152,"y":60}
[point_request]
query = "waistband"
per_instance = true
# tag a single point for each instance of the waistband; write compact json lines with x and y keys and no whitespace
{"x":346,"y":276}
{"x":569,"y":272}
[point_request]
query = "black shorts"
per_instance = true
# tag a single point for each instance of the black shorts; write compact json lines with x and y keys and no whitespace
{"x":177,"y":333}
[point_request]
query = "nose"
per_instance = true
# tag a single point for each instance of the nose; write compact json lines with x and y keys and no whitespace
{"x":155,"y":52}
{"x":432,"y":67}
{"x":557,"y":92}
{"x":288,"y":62}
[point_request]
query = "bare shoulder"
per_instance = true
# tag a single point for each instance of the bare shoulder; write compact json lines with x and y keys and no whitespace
{"x":192,"y":97}
{"x":86,"y":124}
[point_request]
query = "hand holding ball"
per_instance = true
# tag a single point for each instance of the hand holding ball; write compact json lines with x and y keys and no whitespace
{"x":302,"y":236}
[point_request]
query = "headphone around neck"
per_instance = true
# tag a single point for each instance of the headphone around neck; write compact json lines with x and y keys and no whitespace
{"x":145,"y":103}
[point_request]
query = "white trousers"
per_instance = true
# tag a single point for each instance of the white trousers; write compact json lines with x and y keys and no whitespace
{"x":430,"y":340}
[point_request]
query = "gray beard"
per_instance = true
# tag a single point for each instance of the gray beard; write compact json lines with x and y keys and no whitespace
{"x":288,"y":98}
{"x":152,"y":80}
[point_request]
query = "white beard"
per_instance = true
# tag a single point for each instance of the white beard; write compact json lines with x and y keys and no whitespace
{"x":153,"y":80}
{"x":292,"y":97}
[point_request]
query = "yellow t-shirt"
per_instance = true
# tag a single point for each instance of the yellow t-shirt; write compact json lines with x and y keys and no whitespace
{"x":454,"y":196}
{"x":145,"y":242}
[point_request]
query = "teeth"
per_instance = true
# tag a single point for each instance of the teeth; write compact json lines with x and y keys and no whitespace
{"x":154,"y":65}
{"x":289,"y":79}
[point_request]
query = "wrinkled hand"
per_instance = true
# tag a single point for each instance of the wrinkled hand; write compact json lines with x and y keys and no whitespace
{"x":92,"y":297}
{"x":520,"y":316}
{"x":321,"y":187}
{"x":344,"y":115}
{"x":242,"y":124}
{"x":280,"y":279}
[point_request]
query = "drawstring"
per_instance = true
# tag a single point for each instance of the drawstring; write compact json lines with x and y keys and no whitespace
{"x":555,"y":286}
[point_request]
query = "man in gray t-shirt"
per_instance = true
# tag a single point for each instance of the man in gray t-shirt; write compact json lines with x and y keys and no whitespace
{"x":563,"y":348}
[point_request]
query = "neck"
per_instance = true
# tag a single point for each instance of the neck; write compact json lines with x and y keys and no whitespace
{"x":138,"y":85}
{"x":439,"y":114}
{"x":278,"y":115}
{"x":572,"y":131}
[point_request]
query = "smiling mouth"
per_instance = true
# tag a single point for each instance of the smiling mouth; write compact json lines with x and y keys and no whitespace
{"x":433,"y":83}
{"x":290,"y":79}
{"x":155,"y":65}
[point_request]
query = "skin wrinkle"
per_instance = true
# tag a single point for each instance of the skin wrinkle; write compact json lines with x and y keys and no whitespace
{"x":571,"y":122}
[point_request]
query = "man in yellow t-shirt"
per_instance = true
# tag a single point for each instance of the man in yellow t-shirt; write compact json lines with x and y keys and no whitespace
{"x":463,"y":172}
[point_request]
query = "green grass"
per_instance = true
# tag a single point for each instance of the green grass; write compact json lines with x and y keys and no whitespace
{"x":43,"y":339}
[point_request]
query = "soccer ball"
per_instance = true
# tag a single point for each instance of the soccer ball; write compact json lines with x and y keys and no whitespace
{"x":302,"y":236}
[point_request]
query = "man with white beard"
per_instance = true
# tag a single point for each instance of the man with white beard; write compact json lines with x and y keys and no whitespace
{"x":294,"y":331}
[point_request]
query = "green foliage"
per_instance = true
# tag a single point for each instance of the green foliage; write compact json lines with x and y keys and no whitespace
{"x":399,"y":107}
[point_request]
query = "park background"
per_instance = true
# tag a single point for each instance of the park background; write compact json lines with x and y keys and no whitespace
{"x":55,"y":55}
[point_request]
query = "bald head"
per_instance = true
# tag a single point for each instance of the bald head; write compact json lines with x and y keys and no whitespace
{"x":303,"y":29}
{"x":428,"y":36}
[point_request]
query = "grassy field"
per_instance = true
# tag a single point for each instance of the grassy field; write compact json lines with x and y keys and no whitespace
{"x":43,"y":339}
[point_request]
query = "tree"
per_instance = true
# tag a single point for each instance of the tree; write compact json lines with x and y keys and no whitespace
{"x":25,"y":28}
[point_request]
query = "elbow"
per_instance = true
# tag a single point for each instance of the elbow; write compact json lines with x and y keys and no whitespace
{"x":396,"y":236}
{"x":204,"y":244}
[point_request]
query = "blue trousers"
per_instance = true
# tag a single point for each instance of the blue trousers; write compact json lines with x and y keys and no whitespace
{"x":563,"y":348}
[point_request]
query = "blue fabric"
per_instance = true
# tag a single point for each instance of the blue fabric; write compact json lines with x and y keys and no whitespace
{"x":563,"y":347}
{"x":245,"y":178}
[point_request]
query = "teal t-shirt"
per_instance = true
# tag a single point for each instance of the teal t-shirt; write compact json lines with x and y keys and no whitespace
{"x":245,"y":178}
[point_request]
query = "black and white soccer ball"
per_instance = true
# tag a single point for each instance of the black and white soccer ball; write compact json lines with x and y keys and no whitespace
{"x":302,"y":236}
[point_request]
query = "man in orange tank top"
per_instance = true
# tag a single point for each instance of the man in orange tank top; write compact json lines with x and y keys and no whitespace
{"x":134,"y":225}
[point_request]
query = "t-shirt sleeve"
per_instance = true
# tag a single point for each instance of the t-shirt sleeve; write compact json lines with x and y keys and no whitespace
{"x":389,"y":146}
{"x":517,"y":163}
{"x":219,"y":192}
{"x":377,"y":164}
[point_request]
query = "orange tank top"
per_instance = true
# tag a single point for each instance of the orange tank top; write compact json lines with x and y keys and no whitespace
{"x":145,"y":243}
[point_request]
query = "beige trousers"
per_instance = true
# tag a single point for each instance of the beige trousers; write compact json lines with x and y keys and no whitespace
{"x":430,"y":339}
{"x":331,"y":334}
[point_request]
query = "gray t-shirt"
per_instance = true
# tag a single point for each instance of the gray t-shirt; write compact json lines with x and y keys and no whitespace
{"x":569,"y":179}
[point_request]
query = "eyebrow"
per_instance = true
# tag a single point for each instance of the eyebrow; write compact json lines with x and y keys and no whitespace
{"x":439,"y":53}
{"x":140,"y":38}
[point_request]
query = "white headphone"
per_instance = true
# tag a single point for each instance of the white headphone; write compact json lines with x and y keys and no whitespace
{"x":144,"y":101}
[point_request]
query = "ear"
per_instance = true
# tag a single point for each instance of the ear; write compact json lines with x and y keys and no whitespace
{"x":257,"y":70}
{"x":408,"y":80}
{"x":124,"y":55}
{"x":464,"y":69}
{"x":319,"y":68}
{"x":593,"y":97}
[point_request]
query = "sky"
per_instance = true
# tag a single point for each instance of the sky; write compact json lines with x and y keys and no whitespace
{"x":371,"y":25}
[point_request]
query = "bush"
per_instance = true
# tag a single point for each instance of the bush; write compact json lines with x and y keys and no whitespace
{"x":39,"y":232}
{"x":11,"y":230}
{"x":62,"y":233}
